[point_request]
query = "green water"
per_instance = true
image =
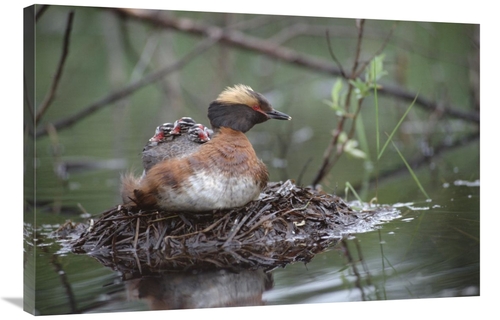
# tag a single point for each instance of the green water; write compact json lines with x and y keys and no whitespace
{"x":430,"y":251}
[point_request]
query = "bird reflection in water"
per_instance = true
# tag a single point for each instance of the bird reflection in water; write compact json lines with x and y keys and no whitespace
{"x":201,"y":289}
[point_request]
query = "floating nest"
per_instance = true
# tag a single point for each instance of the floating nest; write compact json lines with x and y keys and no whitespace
{"x":286,"y":224}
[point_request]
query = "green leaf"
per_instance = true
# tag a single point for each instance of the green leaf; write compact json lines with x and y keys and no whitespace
{"x":342,"y":137}
{"x":361,"y":89}
{"x":375,"y":70}
{"x":338,"y":110}
{"x":356,"y":153}
{"x":337,"y":87}
{"x":350,"y":147}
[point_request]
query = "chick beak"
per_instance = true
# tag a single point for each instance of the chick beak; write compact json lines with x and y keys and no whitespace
{"x":274,"y":114}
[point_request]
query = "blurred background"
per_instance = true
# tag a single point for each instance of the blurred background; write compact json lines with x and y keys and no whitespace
{"x":110,"y":50}
{"x":104,"y":78}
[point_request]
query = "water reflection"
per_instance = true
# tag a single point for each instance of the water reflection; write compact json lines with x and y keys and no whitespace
{"x":201,"y":289}
{"x":431,"y":250}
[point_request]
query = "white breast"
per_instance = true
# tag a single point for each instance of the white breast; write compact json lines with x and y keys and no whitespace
{"x":204,"y":192}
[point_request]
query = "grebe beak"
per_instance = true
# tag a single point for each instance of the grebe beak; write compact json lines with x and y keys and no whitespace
{"x":274,"y":114}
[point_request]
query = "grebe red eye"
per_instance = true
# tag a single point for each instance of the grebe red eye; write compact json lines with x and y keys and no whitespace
{"x":256,"y":107}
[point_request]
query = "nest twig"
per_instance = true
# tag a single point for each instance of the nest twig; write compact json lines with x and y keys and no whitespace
{"x":287,"y":224}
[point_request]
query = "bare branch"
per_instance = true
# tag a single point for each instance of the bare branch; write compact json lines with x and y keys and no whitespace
{"x":378,"y":52}
{"x":429,"y":105}
{"x":290,"y":32}
{"x":51,"y":94}
{"x":29,"y":107}
{"x":233,"y":38}
{"x":361,"y":25}
{"x":253,"y":23}
{"x":131,"y":88}
{"x":421,"y":160}
{"x":41,"y":11}
{"x":328,"y":163}
{"x":240,"y":40}
{"x":332,"y":54}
